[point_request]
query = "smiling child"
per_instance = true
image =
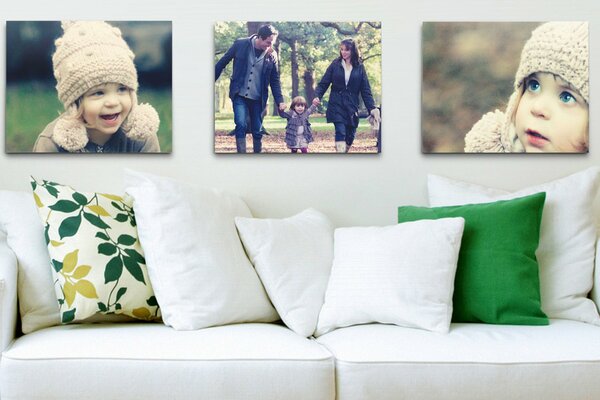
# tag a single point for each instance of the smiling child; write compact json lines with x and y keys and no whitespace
{"x":97,"y":84}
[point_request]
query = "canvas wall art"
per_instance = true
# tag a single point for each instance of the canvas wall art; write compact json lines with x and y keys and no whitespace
{"x":297,"y":87}
{"x":88,"y":87}
{"x":505,"y":87}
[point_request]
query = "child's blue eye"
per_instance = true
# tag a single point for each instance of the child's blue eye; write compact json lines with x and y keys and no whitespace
{"x":123,"y":88}
{"x":98,"y":93}
{"x":567,"y":97}
{"x":533,"y":85}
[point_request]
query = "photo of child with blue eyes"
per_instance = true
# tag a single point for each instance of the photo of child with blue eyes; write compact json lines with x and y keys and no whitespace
{"x":548,"y":112}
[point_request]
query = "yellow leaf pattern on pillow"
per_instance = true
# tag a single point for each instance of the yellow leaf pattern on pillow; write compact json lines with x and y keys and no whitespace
{"x":97,"y":262}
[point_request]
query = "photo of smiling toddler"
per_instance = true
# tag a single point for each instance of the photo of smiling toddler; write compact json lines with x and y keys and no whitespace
{"x":96,"y":80}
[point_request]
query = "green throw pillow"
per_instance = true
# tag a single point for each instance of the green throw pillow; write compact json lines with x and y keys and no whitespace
{"x":497,"y":278}
{"x":97,"y":262}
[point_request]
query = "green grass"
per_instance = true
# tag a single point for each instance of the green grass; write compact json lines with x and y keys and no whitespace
{"x":31,"y":106}
{"x":224,"y":122}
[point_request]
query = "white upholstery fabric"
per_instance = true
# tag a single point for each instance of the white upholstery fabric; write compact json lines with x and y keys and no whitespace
{"x":595,"y":295}
{"x":8,"y":293}
{"x":292,"y":257}
{"x":567,"y":237}
{"x":196,"y":262}
{"x":151,"y":361}
{"x":472,"y":361}
{"x":400,"y":274}
{"x":25,"y":235}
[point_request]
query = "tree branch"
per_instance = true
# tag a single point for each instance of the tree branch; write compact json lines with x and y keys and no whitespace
{"x":341,"y":30}
{"x":371,"y":56}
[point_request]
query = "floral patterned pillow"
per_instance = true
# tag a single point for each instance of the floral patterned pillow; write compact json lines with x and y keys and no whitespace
{"x":97,"y":262}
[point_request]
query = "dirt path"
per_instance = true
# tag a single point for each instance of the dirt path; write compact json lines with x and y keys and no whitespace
{"x":275,"y":143}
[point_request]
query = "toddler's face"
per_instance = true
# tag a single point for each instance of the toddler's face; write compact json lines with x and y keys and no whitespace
{"x":105,"y":107}
{"x":551,"y":116}
{"x":299,"y":108}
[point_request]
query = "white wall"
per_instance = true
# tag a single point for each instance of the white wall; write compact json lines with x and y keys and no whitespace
{"x":352,"y":190}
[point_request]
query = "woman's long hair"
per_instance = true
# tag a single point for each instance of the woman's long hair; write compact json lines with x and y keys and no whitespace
{"x":355,"y":58}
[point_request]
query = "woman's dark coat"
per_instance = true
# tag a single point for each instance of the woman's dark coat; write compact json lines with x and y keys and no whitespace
{"x":343,"y":100}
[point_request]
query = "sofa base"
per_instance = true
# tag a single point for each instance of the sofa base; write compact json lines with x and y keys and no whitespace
{"x":473,"y":361}
{"x":152,"y":361}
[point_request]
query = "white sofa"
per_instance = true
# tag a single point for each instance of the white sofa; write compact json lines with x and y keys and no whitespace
{"x":269,"y":361}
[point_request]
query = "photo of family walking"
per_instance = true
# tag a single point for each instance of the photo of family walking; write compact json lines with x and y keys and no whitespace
{"x":297,"y":87}
{"x":505,"y":87}
{"x":88,"y":87}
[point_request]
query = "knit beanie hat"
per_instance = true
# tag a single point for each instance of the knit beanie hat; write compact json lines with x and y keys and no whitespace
{"x":559,"y":48}
{"x":88,"y":54}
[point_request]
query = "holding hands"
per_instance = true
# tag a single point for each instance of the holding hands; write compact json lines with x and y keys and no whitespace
{"x":282,"y":106}
{"x":376,"y":114}
{"x":316,"y":101}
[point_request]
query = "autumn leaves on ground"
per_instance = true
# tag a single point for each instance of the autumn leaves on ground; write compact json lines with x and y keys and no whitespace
{"x":274,"y":142}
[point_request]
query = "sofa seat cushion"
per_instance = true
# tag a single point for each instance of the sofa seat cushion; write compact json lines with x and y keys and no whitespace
{"x":472,"y":361}
{"x":151,"y":361}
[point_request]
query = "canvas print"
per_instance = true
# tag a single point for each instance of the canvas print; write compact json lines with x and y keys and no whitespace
{"x":505,"y":87}
{"x":88,"y":87}
{"x":297,"y":87}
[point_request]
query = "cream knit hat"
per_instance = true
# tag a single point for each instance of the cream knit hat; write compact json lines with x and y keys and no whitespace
{"x":88,"y":54}
{"x":560,"y":48}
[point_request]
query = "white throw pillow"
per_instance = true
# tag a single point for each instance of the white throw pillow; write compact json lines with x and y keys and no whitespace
{"x":197,"y":265}
{"x":292,"y":257}
{"x":25,"y":236}
{"x":567,"y":239}
{"x":401,"y":274}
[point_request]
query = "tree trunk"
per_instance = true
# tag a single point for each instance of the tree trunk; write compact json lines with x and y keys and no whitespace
{"x":309,"y":85}
{"x":253,"y":27}
{"x":294,"y":62}
{"x":276,"y":47}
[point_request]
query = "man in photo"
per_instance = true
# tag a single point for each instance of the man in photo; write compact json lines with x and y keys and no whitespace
{"x":255,"y":68}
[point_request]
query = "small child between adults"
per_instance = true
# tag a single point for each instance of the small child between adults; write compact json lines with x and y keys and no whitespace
{"x":97,"y":84}
{"x":297,"y":131}
{"x":548,"y":111}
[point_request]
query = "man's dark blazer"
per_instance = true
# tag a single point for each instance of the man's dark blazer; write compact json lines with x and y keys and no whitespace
{"x":239,"y":52}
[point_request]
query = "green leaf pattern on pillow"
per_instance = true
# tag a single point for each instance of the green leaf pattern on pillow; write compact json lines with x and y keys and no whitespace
{"x":97,"y":261}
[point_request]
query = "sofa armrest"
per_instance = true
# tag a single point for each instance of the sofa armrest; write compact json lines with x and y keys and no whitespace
{"x":8,"y":294}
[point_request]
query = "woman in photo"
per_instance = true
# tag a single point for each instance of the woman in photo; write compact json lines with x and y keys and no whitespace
{"x":347,"y":77}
